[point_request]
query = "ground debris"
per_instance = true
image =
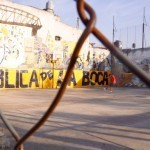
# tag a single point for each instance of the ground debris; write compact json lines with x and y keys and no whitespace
{"x":4,"y":141}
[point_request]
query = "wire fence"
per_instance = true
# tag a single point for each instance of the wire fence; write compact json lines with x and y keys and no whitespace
{"x":82,"y":6}
{"x":133,"y":36}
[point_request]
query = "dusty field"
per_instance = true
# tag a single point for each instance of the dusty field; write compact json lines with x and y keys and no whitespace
{"x":86,"y":119}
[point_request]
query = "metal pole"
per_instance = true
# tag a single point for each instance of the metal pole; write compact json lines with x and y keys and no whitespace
{"x":112,"y":57}
{"x":53,"y":68}
{"x":113,"y":30}
{"x":53,"y":76}
{"x":143,"y":30}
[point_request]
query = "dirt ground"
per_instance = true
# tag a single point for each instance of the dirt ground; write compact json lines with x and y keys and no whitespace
{"x":85,"y":119}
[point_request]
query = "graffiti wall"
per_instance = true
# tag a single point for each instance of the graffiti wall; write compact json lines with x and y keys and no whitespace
{"x":141,"y":57}
{"x":11,"y":45}
{"x":19,"y":49}
{"x":37,"y":44}
{"x":51,"y":47}
{"x":45,"y":78}
{"x":101,"y":59}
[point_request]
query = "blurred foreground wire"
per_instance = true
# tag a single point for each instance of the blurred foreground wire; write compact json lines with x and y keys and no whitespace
{"x":90,"y":28}
{"x":114,"y":50}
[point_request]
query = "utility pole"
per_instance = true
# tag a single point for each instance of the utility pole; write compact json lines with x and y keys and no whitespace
{"x":77,"y":25}
{"x":135,"y":36}
{"x":143,"y":29}
{"x":113,"y":30}
{"x":127,"y":39}
{"x":53,"y":68}
{"x":113,"y":40}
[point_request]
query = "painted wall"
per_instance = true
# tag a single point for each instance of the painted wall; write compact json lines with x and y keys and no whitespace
{"x":142,"y":59}
{"x":18,"y":48}
{"x":12,"y":45}
{"x":45,"y":78}
{"x":54,"y":41}
{"x":102,"y":59}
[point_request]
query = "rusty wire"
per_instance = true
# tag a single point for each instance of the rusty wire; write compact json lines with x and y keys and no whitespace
{"x":90,"y":28}
{"x":135,"y":69}
{"x":85,"y":34}
{"x":11,"y":129}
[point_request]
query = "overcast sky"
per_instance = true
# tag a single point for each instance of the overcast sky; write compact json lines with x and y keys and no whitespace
{"x":128,"y":16}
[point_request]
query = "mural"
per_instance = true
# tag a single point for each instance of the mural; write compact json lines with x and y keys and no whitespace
{"x":45,"y":78}
{"x":141,"y":59}
{"x":11,"y":45}
{"x":19,"y":49}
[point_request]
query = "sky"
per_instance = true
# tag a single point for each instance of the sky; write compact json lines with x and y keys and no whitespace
{"x":128,"y":17}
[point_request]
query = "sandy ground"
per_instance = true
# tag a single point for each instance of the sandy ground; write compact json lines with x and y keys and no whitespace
{"x":85,"y":119}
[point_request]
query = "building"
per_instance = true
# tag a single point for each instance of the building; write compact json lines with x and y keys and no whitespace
{"x":29,"y":36}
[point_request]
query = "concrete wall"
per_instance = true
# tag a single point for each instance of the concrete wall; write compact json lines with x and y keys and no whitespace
{"x":18,"y":48}
{"x":141,"y":57}
{"x":138,"y":55}
{"x":46,"y":78}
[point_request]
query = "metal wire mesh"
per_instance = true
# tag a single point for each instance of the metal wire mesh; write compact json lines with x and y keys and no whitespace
{"x":82,"y":6}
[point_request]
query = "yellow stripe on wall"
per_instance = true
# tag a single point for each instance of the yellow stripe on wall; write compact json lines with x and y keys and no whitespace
{"x":44,"y":78}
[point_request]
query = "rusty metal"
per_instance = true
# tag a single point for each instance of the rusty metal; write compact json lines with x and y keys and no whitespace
{"x":14,"y":16}
{"x":135,"y":69}
{"x":11,"y":129}
{"x":90,"y":28}
{"x":87,"y":31}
